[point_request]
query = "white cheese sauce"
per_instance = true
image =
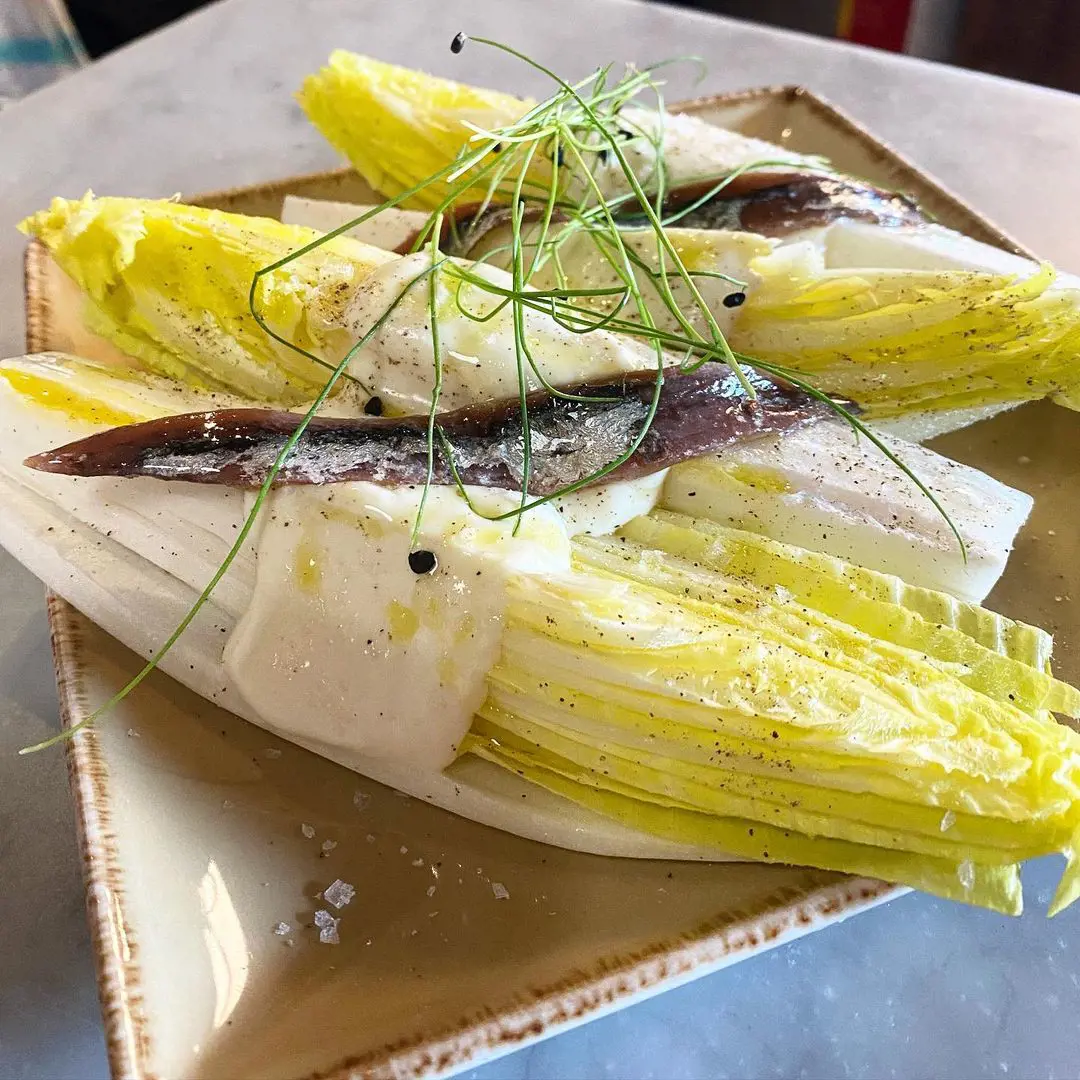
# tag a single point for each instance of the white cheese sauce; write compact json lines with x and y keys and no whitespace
{"x":345,"y":644}
{"x":478,"y":358}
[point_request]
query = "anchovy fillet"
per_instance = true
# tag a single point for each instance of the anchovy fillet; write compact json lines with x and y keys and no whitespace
{"x":697,"y":413}
{"x":770,"y":204}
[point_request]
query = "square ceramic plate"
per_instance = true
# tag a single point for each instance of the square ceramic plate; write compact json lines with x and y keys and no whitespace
{"x":201,"y":833}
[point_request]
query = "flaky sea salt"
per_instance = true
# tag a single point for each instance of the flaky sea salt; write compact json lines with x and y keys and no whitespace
{"x":948,"y":820}
{"x":403,"y":850}
{"x":133,"y":734}
{"x":361,"y":799}
{"x":327,"y":924}
{"x":328,"y":846}
{"x":307,"y":830}
{"x":338,"y":893}
{"x":272,"y":752}
{"x":282,"y":929}
{"x":370,"y":838}
{"x":431,"y":890}
{"x":966,"y":873}
{"x":500,"y":890}
{"x":418,"y":862}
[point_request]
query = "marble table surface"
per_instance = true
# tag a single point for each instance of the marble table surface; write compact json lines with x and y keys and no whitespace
{"x":917,"y":988}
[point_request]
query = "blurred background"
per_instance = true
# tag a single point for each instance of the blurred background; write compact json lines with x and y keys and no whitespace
{"x":1037,"y":40}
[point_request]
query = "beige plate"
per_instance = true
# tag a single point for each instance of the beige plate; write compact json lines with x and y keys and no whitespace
{"x":192,"y":821}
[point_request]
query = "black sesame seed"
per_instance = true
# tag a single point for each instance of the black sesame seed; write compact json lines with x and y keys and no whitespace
{"x":735,"y":299}
{"x":459,"y":42}
{"x":373,"y":406}
{"x":422,"y":561}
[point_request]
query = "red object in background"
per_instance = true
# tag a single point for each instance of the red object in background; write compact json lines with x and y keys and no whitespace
{"x":880,"y":23}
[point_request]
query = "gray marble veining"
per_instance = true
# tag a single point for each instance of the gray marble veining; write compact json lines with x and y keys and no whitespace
{"x":918,"y":988}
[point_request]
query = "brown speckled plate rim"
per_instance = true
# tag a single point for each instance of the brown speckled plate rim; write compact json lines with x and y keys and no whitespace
{"x":614,"y":982}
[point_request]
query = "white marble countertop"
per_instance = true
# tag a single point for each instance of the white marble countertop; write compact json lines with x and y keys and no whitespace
{"x":917,"y":988}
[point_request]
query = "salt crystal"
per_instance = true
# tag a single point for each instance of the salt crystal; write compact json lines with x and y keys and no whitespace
{"x":327,"y":924}
{"x":966,"y":873}
{"x":282,"y":929}
{"x":338,"y":893}
{"x":226,"y":804}
{"x":782,"y":594}
{"x":370,"y":838}
{"x":133,"y":734}
{"x":328,"y":846}
{"x":418,"y":862}
{"x":361,"y":799}
{"x":1051,"y":532}
{"x":500,"y":890}
{"x":272,"y":752}
{"x":431,"y":890}
{"x":307,"y":830}
{"x":948,"y":820}
{"x":1023,"y":459}
{"x":403,"y":849}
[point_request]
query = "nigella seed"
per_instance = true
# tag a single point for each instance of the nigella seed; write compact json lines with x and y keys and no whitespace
{"x":459,"y":42}
{"x":373,"y":406}
{"x":422,"y":561}
{"x":734,"y":299}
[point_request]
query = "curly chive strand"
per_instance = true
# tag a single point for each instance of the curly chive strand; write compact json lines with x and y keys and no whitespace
{"x":723,"y":182}
{"x":654,"y":214}
{"x":436,"y":389}
{"x":549,"y":209}
{"x":520,"y":352}
{"x":626,"y":270}
{"x":643,"y":200}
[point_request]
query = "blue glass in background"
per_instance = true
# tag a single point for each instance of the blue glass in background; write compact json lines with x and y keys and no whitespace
{"x":38,"y":44}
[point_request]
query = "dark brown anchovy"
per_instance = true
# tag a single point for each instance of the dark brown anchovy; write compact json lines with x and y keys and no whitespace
{"x":771,"y":204}
{"x":776,"y":206}
{"x":699,"y":412}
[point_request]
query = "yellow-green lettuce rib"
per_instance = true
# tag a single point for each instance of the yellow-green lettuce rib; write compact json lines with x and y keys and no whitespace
{"x":168,"y":284}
